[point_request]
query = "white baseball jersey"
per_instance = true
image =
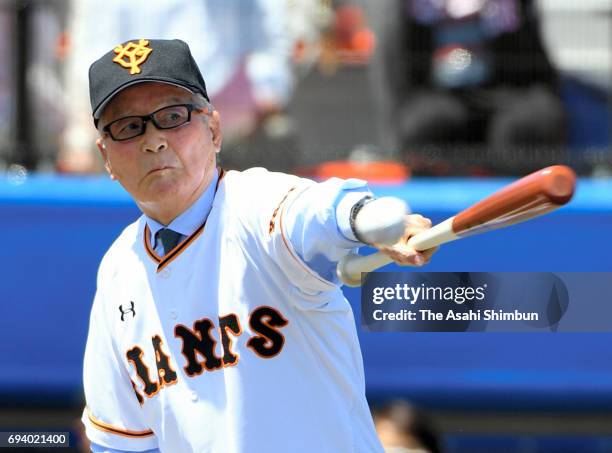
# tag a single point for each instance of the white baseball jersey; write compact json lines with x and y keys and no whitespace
{"x":229,"y":343}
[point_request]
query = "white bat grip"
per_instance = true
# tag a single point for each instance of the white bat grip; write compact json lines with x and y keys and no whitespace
{"x":351,"y":266}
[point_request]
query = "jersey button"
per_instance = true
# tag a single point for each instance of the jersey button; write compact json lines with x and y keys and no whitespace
{"x":165,"y":273}
{"x":194,"y":396}
{"x":173,"y":314}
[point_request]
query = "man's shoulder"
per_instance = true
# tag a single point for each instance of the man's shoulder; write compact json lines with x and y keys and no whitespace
{"x":259,"y":182}
{"x":259,"y":174}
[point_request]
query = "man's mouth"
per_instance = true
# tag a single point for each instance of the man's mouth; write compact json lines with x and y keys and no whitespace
{"x":159,"y":168}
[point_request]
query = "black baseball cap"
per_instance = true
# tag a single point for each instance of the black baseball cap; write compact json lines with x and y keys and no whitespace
{"x":142,"y":60}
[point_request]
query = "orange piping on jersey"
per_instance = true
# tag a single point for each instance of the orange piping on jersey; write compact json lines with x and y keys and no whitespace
{"x":148,"y":247}
{"x":179,"y":248}
{"x":114,"y":430}
{"x":176,"y":251}
{"x":290,"y":249}
{"x":275,"y":213}
{"x":165,"y":260}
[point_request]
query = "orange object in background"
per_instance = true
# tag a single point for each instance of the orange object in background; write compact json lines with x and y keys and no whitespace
{"x":353,"y":40}
{"x":62,"y":46}
{"x":378,"y":172}
{"x":363,"y":41}
{"x":348,"y":20}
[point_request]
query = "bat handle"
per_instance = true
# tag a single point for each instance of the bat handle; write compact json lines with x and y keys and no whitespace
{"x":352,"y":265}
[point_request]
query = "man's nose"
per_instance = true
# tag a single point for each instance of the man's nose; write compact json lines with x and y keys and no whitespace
{"x":154,"y":147}
{"x":154,"y":140}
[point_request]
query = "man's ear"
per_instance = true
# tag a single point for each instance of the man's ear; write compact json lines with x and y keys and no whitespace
{"x":107,"y":165}
{"x":214,"y":124}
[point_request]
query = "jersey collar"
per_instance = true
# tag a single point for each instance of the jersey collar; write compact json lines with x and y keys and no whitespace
{"x":190,"y":223}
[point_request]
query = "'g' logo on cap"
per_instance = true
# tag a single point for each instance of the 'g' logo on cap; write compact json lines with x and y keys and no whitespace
{"x":131,"y":56}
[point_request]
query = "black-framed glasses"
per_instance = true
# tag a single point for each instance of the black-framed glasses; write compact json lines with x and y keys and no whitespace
{"x":165,"y":118}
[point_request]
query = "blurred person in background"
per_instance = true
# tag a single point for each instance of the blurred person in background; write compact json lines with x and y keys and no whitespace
{"x":243,"y":44}
{"x":468,"y":75}
{"x":402,"y":428}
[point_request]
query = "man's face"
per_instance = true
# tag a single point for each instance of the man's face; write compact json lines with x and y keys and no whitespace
{"x":161,"y":168}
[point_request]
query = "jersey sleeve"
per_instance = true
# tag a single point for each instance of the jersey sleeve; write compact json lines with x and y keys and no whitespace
{"x":317,"y":224}
{"x":297,"y":224}
{"x":113,"y":416}
{"x":298,"y":221}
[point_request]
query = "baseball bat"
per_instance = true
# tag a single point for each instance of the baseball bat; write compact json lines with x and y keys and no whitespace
{"x":531,"y":196}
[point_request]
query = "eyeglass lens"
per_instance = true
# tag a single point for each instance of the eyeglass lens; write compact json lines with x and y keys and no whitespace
{"x":165,"y":118}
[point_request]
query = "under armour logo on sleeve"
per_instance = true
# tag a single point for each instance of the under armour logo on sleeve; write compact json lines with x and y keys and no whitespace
{"x":126,"y":311}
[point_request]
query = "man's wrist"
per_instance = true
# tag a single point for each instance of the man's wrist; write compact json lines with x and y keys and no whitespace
{"x":347,"y":210}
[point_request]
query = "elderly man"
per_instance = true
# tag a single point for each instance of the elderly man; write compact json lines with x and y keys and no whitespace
{"x":218,"y":324}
